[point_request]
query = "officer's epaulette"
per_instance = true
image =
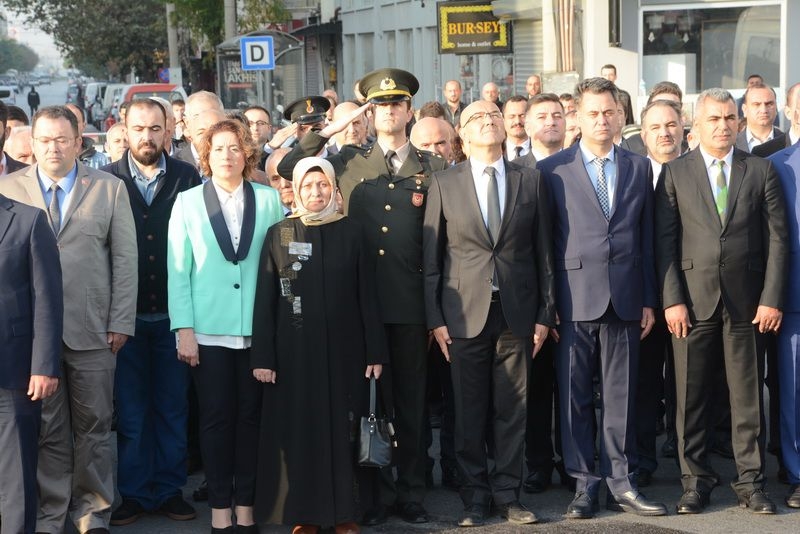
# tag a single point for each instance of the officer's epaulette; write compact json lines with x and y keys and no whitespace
{"x":367,"y":148}
{"x":421,"y":153}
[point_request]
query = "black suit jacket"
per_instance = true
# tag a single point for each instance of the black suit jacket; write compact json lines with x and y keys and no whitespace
{"x":14,"y":165}
{"x":460,"y":259}
{"x":744,"y":260}
{"x":31,"y":297}
{"x":151,"y":227}
{"x":772,"y":146}
{"x":741,"y":139}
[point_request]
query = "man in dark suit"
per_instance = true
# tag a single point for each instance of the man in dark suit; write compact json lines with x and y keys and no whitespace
{"x":151,"y":384}
{"x":489,"y":301}
{"x":760,"y":110}
{"x":602,"y":200}
{"x":787,"y":164}
{"x":792,"y":111}
{"x":721,"y":244}
{"x":384,"y":188}
{"x":7,"y":163}
{"x":546,"y":128}
{"x":31,"y":302}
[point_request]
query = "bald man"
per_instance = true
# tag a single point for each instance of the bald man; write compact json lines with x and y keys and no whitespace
{"x":491,"y":93}
{"x":116,"y":141}
{"x":434,"y":135}
{"x":196,"y":104}
{"x":355,"y":133}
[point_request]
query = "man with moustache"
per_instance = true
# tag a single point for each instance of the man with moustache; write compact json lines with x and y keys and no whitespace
{"x":19,"y":145}
{"x":602,"y":200}
{"x":151,"y":384}
{"x":662,"y":135}
{"x":489,"y":296}
{"x":356,"y":132}
{"x":116,"y":142}
{"x":453,"y":104}
{"x":517,"y":143}
{"x":90,"y":214}
{"x":384,"y":188}
{"x":433,"y":135}
{"x":722,"y":256}
{"x":546,"y":127}
{"x":276,"y":181}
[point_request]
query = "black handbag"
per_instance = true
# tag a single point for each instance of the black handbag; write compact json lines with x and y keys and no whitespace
{"x":376,"y":438}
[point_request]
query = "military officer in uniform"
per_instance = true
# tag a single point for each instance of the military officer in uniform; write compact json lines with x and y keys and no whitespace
{"x":384,"y":188}
{"x":308,"y":114}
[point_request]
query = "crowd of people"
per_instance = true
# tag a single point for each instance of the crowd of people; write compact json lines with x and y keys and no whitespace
{"x":223,"y":291}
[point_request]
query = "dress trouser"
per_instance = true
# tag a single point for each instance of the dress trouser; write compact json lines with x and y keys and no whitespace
{"x":789,"y":374}
{"x":229,"y":400}
{"x":406,"y":382}
{"x":151,"y":390}
{"x":649,"y":390}
{"x":539,"y":428}
{"x":19,"y":434}
{"x":490,"y":375}
{"x":76,"y":459}
{"x":608,"y":346}
{"x":696,"y":364}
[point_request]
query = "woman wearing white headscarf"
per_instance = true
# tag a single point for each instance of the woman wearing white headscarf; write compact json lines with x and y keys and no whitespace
{"x":317,"y":337}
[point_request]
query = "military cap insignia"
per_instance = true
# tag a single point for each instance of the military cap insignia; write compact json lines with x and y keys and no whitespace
{"x":387,"y":84}
{"x":309,"y":107}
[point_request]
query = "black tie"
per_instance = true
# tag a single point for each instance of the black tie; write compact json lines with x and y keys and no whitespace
{"x":492,"y":204}
{"x":517,"y":152}
{"x":53,"y":210}
{"x":389,"y":165}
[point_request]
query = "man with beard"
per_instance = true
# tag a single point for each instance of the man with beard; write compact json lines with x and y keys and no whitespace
{"x":454,"y":106}
{"x":151,"y":384}
{"x":517,"y":143}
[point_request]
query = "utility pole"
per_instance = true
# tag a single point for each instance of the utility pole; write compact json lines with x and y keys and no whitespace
{"x":175,"y":71}
{"x":230,"y":19}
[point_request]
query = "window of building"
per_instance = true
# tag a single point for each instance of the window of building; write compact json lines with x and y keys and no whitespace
{"x":711,"y":46}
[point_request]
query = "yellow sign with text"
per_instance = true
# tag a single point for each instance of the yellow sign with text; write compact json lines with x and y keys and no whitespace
{"x":471,"y":28}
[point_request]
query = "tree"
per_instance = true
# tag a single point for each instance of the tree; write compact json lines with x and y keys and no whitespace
{"x":259,"y":13}
{"x":94,"y":34}
{"x":16,"y":56}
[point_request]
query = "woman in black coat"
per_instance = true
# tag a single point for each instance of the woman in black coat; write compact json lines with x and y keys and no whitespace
{"x":317,"y":336}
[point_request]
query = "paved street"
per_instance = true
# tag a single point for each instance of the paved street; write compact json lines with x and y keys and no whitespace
{"x":722,"y":517}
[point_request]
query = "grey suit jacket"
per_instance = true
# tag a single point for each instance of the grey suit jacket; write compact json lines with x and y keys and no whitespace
{"x":97,"y":243}
{"x":459,"y":258}
{"x":741,"y":139}
{"x":700,"y":260}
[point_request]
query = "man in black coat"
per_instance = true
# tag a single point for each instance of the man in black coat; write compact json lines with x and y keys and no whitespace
{"x":151,"y":383}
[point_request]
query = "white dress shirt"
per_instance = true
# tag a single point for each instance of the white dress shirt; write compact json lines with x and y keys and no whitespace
{"x":753,"y":141}
{"x":610,"y":171}
{"x":481,"y":181}
{"x":656,"y":170}
{"x":710,"y":162}
{"x":511,"y":154}
{"x":400,"y":155}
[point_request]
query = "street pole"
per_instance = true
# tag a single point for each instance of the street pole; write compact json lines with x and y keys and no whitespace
{"x":230,"y":19}
{"x":175,"y":71}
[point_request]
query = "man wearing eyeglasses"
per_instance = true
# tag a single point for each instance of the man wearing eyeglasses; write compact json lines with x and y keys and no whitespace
{"x":260,"y":129}
{"x":489,"y":296}
{"x":90,"y":215}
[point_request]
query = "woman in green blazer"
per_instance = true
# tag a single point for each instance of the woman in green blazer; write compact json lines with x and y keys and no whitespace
{"x":216,"y":232}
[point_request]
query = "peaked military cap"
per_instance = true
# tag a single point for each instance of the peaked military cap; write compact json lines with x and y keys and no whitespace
{"x":308,"y":110}
{"x":389,"y":85}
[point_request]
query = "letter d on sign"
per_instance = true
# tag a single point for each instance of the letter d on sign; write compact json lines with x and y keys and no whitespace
{"x":256,"y":53}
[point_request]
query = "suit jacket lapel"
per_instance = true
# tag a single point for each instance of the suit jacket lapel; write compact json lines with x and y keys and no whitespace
{"x":82,"y":184}
{"x":513,"y":181}
{"x":576,"y":168}
{"x":410,"y":166}
{"x":30,"y":182}
{"x":468,"y":188}
{"x":5,"y":216}
{"x":623,"y":177}
{"x":248,"y":221}
{"x":704,"y":186}
{"x":217,"y":221}
{"x":734,"y":184}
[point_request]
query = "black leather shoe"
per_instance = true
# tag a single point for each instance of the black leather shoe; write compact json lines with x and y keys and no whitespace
{"x":375,"y":516}
{"x":177,"y":509}
{"x":247,"y":529}
{"x":127,"y":512}
{"x":537,"y":481}
{"x":428,"y":479}
{"x":227,"y":530}
{"x":515,"y":513}
{"x":692,"y":502}
{"x":99,"y":530}
{"x":474,"y":516}
{"x":757,"y":502}
{"x":669,"y":449}
{"x":451,"y":478}
{"x":643,"y":478}
{"x":582,"y":507}
{"x":411,"y":512}
{"x":634,"y":502}
{"x":793,"y":498}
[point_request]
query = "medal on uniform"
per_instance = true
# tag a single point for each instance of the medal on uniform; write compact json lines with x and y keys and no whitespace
{"x":296,"y":266}
{"x":299,"y":249}
{"x":417,"y":198}
{"x":286,"y":287}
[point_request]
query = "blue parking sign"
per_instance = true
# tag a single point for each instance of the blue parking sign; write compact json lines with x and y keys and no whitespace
{"x":258,"y":53}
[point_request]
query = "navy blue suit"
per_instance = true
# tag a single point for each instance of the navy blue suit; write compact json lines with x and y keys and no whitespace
{"x":31,"y":322}
{"x":605,"y":275}
{"x":787,"y":164}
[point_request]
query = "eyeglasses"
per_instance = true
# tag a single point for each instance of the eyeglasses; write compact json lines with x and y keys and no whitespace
{"x":59,"y":141}
{"x":257,"y":123}
{"x":481,"y":115}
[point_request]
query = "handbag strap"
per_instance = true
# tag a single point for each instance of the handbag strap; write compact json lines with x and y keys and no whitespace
{"x":372,"y":396}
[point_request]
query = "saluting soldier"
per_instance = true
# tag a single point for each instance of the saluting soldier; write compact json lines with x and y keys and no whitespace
{"x":384,"y":188}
